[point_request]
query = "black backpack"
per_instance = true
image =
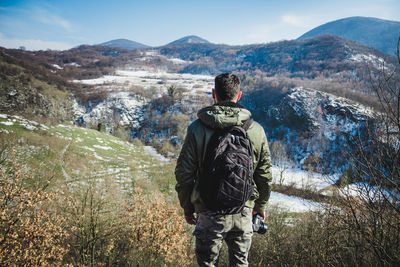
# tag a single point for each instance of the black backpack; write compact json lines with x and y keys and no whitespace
{"x":226,"y":181}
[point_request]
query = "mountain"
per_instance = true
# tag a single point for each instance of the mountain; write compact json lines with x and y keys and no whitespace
{"x":124,"y":43}
{"x":191,"y":39}
{"x":325,"y":63}
{"x":378,"y":33}
{"x":327,"y":55}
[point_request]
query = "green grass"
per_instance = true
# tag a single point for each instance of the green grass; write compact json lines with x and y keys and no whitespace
{"x":70,"y":154}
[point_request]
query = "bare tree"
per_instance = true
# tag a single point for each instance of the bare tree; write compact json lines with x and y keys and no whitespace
{"x":373,"y":213}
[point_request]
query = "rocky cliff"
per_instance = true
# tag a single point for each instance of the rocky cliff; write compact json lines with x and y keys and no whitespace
{"x":316,"y":127}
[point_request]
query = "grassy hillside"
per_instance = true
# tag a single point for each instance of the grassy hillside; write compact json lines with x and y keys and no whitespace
{"x":95,"y":192}
{"x":77,"y":154}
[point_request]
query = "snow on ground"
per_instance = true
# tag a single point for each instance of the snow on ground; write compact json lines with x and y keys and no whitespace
{"x":102,"y":147}
{"x":161,"y":79}
{"x":302,"y":179}
{"x":27,"y":124}
{"x":98,"y":157}
{"x":73,"y":64}
{"x":151,"y":150}
{"x":88,"y":148}
{"x":293,"y":204}
{"x":177,"y":61}
{"x":29,"y":127}
{"x":122,"y":95}
{"x":377,"y":62}
{"x":57,"y":66}
{"x":368,"y":192}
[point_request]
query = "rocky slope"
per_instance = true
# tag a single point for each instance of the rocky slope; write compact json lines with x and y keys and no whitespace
{"x":315,"y":127}
{"x":32,"y":95}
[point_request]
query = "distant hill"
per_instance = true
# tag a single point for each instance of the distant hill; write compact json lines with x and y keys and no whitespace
{"x":124,"y":43}
{"x":306,"y":58}
{"x":377,"y":33}
{"x":191,"y":39}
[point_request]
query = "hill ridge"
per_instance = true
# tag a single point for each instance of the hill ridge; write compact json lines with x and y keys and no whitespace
{"x":378,"y":33}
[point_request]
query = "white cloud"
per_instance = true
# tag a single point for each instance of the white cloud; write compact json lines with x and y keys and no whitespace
{"x":33,"y":44}
{"x":295,"y":20}
{"x":45,"y":17}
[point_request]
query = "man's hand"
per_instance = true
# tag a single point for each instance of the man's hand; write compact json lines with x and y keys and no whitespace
{"x":261,"y":213}
{"x":190,"y":219}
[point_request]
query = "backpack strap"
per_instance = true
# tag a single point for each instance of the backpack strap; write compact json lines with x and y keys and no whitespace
{"x":246,"y":124}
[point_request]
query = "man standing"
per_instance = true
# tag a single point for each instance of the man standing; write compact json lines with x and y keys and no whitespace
{"x":234,"y":225}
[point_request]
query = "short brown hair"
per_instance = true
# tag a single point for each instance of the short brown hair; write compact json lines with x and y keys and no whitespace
{"x":227,"y":87}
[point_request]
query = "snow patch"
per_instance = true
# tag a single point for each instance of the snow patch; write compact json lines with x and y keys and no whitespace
{"x":98,"y":157}
{"x":147,"y":79}
{"x":177,"y":61}
{"x":8,"y":123}
{"x":366,"y":192}
{"x":293,"y":204}
{"x":301,"y":179}
{"x":99,"y":140}
{"x":73,"y":64}
{"x":151,"y":150}
{"x":57,"y":66}
{"x":102,"y":147}
{"x":88,"y":148}
{"x":30,"y":127}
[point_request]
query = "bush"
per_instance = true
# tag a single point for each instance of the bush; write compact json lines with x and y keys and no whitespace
{"x":31,"y":228}
{"x":154,"y":232}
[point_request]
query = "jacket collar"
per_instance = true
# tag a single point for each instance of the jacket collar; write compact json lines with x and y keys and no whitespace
{"x":229,"y":104}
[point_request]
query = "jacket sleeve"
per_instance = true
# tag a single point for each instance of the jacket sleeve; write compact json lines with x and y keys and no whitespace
{"x":186,"y":171}
{"x":263,"y":176}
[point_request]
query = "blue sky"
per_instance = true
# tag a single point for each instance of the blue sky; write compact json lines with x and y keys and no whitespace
{"x":62,"y":24}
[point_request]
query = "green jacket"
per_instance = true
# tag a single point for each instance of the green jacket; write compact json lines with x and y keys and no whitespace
{"x":220,"y":116}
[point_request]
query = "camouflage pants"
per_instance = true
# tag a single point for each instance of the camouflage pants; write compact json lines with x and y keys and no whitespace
{"x":235,"y":229}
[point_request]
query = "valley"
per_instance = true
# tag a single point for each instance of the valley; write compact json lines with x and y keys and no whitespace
{"x":80,"y":156}
{"x":89,"y":139}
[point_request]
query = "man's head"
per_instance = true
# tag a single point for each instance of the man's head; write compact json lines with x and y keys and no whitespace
{"x":227,"y":88}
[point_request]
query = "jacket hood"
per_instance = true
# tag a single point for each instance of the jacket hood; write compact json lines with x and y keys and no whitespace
{"x":220,"y":116}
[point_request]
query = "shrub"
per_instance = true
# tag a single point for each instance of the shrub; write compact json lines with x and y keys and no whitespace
{"x":31,"y":229}
{"x":154,"y":232}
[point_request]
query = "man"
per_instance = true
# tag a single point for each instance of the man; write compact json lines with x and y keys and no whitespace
{"x":211,"y":228}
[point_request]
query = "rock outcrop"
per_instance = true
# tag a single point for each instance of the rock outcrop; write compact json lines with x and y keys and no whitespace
{"x":316,"y":127}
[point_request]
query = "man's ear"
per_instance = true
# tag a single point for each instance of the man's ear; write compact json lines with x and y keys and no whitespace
{"x":214,"y":95}
{"x":239,"y":96}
